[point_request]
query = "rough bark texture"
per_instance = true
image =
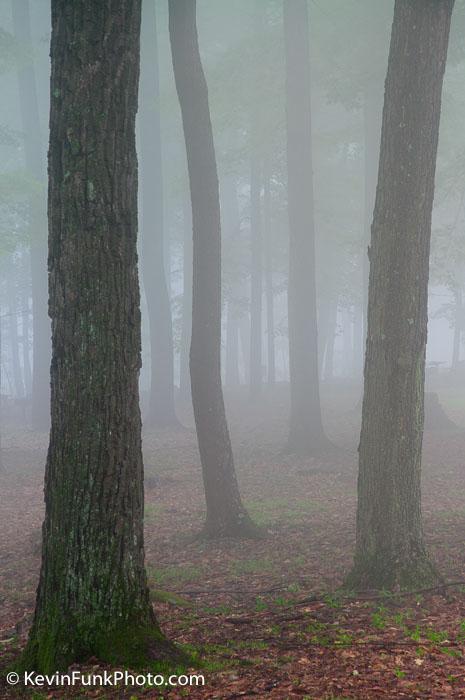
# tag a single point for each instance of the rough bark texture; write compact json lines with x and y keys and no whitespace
{"x":226,"y":515}
{"x":306,"y":433}
{"x":93,"y":597}
{"x":161,"y":408}
{"x":390,"y":551}
{"x":40,"y":414}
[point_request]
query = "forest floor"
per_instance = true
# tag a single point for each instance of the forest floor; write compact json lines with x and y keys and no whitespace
{"x":264,"y":616}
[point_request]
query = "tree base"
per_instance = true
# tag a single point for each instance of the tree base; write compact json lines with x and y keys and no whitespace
{"x":303,"y":446}
{"x":242,"y":528}
{"x":381,"y":574}
{"x":130,"y":645}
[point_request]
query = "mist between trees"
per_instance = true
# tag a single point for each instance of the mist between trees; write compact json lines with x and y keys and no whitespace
{"x":287,"y":179}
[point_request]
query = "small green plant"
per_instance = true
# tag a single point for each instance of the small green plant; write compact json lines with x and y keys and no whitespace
{"x":399,"y":673}
{"x":332,"y":601}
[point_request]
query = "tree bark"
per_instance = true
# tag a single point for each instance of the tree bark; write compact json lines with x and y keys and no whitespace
{"x":226,"y":515}
{"x":390,"y":551}
{"x":306,"y":434}
{"x":93,"y":598}
{"x":161,"y":408}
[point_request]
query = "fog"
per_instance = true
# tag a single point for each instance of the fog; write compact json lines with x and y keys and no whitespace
{"x":292,"y":261}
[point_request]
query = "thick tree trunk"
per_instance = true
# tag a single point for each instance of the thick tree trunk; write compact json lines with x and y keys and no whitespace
{"x":40,"y":416}
{"x":306,"y":435}
{"x":161,"y":408}
{"x":93,"y":598}
{"x":184,"y":379}
{"x":267,"y":220}
{"x":226,"y":515}
{"x":390,"y":551}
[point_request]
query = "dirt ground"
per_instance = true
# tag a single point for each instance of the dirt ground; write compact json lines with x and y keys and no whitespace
{"x":263,"y":618}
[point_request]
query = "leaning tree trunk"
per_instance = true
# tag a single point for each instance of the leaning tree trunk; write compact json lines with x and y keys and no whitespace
{"x":390,"y":551}
{"x":226,"y":515}
{"x":306,"y":434}
{"x":161,"y":406}
{"x":40,"y":413}
{"x":93,"y":598}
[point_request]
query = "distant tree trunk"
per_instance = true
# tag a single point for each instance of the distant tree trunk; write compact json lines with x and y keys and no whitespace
{"x":267,"y":220}
{"x":185,"y":380}
{"x":25,"y":324}
{"x":306,"y":434}
{"x":372,"y":108}
{"x":40,"y":413}
{"x":347,"y":345}
{"x":13,"y":333}
{"x":244,"y":337}
{"x":331,"y":341}
{"x":357,"y":357}
{"x":390,"y":551}
{"x":232,"y":346}
{"x":232,"y":228}
{"x":457,"y":329}
{"x":161,"y":412}
{"x":226,"y":515}
{"x":2,"y":463}
{"x":255,"y":279}
{"x":93,"y":598}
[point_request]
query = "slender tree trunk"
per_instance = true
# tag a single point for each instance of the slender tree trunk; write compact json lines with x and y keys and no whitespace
{"x":457,"y":329}
{"x":93,"y":598}
{"x":306,"y":434}
{"x":13,"y":333}
{"x":331,"y":341}
{"x":255,"y":280}
{"x":226,"y":515}
{"x":269,"y":280}
{"x":2,"y":463}
{"x":390,"y":551}
{"x":232,"y":227}
{"x":185,"y":380}
{"x":244,"y":337}
{"x":161,"y":411}
{"x":40,"y":414}
{"x":357,"y":358}
{"x":372,"y":109}
{"x":232,"y":346}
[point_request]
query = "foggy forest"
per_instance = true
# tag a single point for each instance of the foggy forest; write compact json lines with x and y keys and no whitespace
{"x":232,"y":349}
